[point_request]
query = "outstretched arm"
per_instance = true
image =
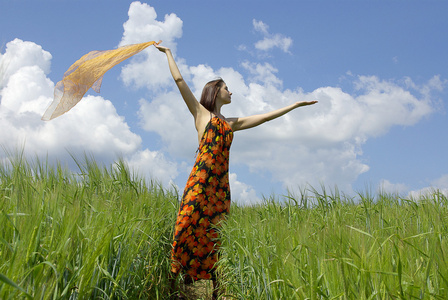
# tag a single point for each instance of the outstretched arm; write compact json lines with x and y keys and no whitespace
{"x":252,"y":121}
{"x":196,"y":109}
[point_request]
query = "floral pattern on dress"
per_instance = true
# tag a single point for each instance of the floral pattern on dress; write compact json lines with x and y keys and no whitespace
{"x":205,"y":202}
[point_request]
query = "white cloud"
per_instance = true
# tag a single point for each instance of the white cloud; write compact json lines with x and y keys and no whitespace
{"x":168,"y":116}
{"x":19,"y":54}
{"x":92,"y":127}
{"x":26,"y":91}
{"x":142,"y":25}
{"x":264,"y":73}
{"x":260,"y":26}
{"x":389,"y":104}
{"x":427,"y":192}
{"x":438,"y":185}
{"x":269,"y":40}
{"x":148,"y":69}
{"x":393,"y":188}
{"x":242,"y":193}
{"x":153,"y":165}
{"x":442,"y":182}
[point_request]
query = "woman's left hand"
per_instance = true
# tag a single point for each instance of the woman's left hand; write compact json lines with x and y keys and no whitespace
{"x":305,"y":103}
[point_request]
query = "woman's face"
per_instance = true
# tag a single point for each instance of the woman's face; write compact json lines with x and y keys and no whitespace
{"x":224,"y":95}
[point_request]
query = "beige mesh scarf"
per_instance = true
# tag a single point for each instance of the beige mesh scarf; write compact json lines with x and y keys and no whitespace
{"x":87,"y":72}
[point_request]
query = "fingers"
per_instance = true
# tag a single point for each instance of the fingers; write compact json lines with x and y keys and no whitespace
{"x":161,"y":48}
{"x":305,"y":103}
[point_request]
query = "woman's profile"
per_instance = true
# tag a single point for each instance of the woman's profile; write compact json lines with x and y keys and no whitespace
{"x":206,"y":198}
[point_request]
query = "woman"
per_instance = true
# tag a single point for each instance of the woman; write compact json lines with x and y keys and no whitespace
{"x":206,"y":198}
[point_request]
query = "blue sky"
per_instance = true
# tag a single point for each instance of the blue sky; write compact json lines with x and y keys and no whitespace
{"x":377,"y":68}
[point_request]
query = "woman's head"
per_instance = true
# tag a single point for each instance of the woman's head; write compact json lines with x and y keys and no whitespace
{"x":210,"y":92}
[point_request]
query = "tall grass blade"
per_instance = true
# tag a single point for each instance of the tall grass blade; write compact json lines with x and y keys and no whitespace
{"x":8,"y":281}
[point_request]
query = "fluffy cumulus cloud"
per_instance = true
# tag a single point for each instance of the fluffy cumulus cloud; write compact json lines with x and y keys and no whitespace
{"x":142,"y":26}
{"x":21,"y":54}
{"x":323,"y":143}
{"x":93,"y":127}
{"x":169,"y":118}
{"x":241,"y":192}
{"x":153,"y":165}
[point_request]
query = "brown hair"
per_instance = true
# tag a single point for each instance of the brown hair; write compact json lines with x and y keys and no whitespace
{"x":209,"y":93}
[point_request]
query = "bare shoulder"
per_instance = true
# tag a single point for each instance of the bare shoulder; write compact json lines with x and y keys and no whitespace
{"x":201,"y":120}
{"x":233,"y":123}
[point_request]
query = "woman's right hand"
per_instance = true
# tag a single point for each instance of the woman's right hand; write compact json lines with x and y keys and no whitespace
{"x":161,"y":48}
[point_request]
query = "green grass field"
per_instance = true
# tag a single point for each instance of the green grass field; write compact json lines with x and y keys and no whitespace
{"x":103,"y":233}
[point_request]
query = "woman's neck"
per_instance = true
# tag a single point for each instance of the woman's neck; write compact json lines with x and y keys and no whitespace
{"x":217,"y":112}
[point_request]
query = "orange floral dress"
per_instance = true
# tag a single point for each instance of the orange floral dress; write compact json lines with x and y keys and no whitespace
{"x":205,"y":202}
